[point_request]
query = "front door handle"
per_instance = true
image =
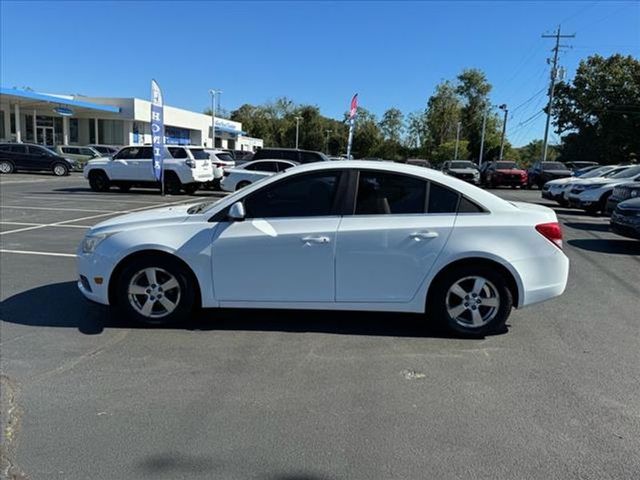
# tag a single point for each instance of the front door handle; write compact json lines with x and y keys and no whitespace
{"x":310,"y":240}
{"x":417,"y":236}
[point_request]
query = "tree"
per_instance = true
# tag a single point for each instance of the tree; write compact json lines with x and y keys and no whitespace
{"x":443,"y":113}
{"x":532,"y":152}
{"x":367,"y":136}
{"x":392,"y":125}
{"x":417,"y":132}
{"x":599,"y":111}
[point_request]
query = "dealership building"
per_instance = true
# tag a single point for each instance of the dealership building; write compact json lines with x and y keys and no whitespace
{"x":51,"y":119}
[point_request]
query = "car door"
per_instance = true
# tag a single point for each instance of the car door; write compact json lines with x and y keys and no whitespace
{"x":387,"y":247}
{"x":20,"y":157}
{"x":284,"y":249}
{"x":39,"y":158}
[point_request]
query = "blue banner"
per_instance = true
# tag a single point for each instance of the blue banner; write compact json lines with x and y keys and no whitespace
{"x":157,"y":130}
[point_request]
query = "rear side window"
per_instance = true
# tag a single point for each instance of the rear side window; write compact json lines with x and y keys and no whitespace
{"x":18,"y":149}
{"x":291,"y":155}
{"x":225,"y":157}
{"x":263,"y":167}
{"x":282,"y":166}
{"x":178,"y":152}
{"x":381,"y":193}
{"x":127,"y":153}
{"x":442,"y":199}
{"x":309,"y":157}
{"x":467,"y":206}
{"x":144,"y":153}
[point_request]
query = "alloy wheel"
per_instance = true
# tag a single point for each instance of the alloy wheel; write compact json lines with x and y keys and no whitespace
{"x":59,"y":170}
{"x":154,"y":293}
{"x":472,"y":301}
{"x":5,"y":167}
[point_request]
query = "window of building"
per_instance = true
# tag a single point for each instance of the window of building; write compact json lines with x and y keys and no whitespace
{"x":73,"y":130}
{"x":231,"y":144}
{"x":308,"y":195}
{"x":3,"y":132}
{"x":442,"y":199}
{"x":218,"y":142}
{"x":381,"y":193}
{"x":92,"y":132}
{"x":110,"y":132}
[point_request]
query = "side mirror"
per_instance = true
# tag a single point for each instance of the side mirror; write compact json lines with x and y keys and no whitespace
{"x":236,"y":212}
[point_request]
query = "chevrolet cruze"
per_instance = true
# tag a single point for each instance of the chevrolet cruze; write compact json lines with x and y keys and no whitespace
{"x":348,"y":235}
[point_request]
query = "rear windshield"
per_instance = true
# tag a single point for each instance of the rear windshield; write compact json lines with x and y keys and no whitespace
{"x":553,"y":166}
{"x":225,"y":157}
{"x":199,"y":154}
{"x":628,"y":173}
{"x":506,"y":165}
{"x":463,"y":165}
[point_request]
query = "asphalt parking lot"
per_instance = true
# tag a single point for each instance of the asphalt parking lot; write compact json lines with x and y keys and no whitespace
{"x":307,"y":395}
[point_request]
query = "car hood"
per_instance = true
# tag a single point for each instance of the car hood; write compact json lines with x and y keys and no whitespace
{"x":146,"y":218}
{"x":589,"y":181}
{"x":561,"y":181}
{"x":509,"y":170}
{"x":463,"y":170}
{"x":633,"y":204}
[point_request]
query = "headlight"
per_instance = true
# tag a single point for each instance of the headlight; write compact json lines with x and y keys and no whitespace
{"x":91,"y":242}
{"x":634,"y":193}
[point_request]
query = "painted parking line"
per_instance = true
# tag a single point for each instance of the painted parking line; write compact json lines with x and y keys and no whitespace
{"x":15,"y":182}
{"x":31,"y":252}
{"x":81,"y":198}
{"x":57,"y":209}
{"x":104,"y":214}
{"x":28,"y":224}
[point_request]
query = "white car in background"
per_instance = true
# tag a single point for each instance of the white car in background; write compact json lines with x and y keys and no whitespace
{"x":557,"y":189}
{"x":250,"y":172}
{"x":347,"y":235}
{"x":591,"y":195}
{"x":220,"y":161}
{"x":185,"y":168}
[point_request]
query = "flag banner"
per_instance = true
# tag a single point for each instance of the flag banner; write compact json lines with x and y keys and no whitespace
{"x":353,"y":111}
{"x":157,"y":130}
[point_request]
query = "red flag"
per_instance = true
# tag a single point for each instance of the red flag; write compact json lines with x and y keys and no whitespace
{"x":354,"y":106}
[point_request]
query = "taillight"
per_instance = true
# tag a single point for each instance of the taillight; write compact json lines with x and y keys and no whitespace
{"x":190,"y":163}
{"x":552,"y":232}
{"x":219,"y":165}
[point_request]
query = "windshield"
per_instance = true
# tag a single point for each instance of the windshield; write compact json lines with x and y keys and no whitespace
{"x":506,"y":165}
{"x":199,"y":154}
{"x":628,"y":173}
{"x":596,"y":172}
{"x":553,"y":166}
{"x":463,"y":165}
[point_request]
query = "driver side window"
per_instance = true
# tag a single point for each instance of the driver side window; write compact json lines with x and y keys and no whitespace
{"x":310,"y":195}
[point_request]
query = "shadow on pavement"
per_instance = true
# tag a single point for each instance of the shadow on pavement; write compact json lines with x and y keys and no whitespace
{"x":139,"y":191}
{"x":62,"y":305}
{"x":619,"y":247}
{"x":596,"y":227}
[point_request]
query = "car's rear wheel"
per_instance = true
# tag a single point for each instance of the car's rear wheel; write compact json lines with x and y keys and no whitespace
{"x":99,"y":182}
{"x":191,"y":188}
{"x":172,"y":184}
{"x":60,"y":170}
{"x":6,"y":167}
{"x":124,"y":187}
{"x":155,"y":290}
{"x":242,"y":184}
{"x":471,"y":300}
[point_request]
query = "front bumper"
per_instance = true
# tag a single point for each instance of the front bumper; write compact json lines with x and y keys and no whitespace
{"x":627,"y":226}
{"x":94,"y":272}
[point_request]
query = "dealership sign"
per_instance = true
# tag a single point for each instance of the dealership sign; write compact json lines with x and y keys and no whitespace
{"x":157,"y":130}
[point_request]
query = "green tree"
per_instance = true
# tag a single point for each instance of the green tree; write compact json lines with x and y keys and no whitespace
{"x":367,"y":136}
{"x":417,"y":131}
{"x":532,"y":152}
{"x":392,"y":125}
{"x":443,"y":114}
{"x":599,"y":111}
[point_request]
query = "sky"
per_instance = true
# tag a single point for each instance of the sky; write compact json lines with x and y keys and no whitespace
{"x":392,"y":54}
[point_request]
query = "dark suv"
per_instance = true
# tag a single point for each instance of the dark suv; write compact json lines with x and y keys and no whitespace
{"x":291,"y":154}
{"x":29,"y":157}
{"x":541,"y":172}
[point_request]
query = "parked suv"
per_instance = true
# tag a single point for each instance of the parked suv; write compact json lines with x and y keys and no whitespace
{"x":291,"y":154}
{"x":105,"y":150}
{"x":80,"y":154}
{"x":462,"y":169}
{"x":29,"y":157}
{"x":574,"y":166}
{"x":185,"y":168}
{"x":541,"y":172}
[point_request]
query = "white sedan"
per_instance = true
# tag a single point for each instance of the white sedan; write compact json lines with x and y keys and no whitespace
{"x":250,"y":172}
{"x":351,"y":235}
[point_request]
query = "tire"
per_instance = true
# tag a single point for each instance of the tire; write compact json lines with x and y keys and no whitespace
{"x":563,"y":203}
{"x":445,"y":303}
{"x":99,"y":182}
{"x":6,"y":167}
{"x":172,"y":185}
{"x":139,"y":300}
{"x":60,"y":170}
{"x":191,"y":188}
{"x":242,"y":184}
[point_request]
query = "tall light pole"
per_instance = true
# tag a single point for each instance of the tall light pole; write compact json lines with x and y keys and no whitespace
{"x":457,"y":140}
{"x":504,"y":128}
{"x":297,"y":128}
{"x":484,"y":126}
{"x":213,"y":94}
{"x":326,"y":148}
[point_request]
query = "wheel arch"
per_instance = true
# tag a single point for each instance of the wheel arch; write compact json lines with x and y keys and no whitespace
{"x":122,"y":263}
{"x":512,"y":277}
{"x":96,"y":170}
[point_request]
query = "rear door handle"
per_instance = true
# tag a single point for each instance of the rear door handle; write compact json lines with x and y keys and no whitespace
{"x":417,"y":236}
{"x":310,"y":240}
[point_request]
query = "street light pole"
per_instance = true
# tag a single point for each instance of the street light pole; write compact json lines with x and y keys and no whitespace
{"x":457,"y":140}
{"x":326,"y":148}
{"x":504,"y":128}
{"x":297,"y":129}
{"x":484,"y":126}
{"x":213,"y":94}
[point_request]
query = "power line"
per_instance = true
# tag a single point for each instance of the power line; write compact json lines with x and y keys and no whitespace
{"x":529,"y":99}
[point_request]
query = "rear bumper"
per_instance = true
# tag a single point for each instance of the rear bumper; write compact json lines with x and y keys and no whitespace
{"x":543,"y":278}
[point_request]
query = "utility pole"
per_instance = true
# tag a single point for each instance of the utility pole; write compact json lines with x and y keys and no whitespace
{"x":457,"y":140}
{"x":504,"y":128}
{"x":326,"y":148}
{"x":484,"y":126}
{"x":297,"y":129}
{"x":554,"y":76}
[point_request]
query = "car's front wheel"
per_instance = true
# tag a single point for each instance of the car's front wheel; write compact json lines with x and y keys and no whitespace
{"x":155,"y":290}
{"x":98,"y":181}
{"x":471,"y":300}
{"x":6,"y":167}
{"x":60,"y":170}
